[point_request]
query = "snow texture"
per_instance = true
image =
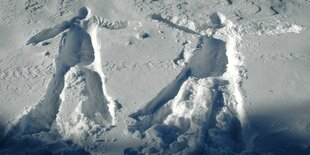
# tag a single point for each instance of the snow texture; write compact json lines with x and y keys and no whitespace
{"x":154,"y":77}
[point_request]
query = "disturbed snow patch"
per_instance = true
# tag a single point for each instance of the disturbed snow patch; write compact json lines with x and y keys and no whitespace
{"x":80,"y":112}
{"x":275,"y":27}
{"x":197,"y":120}
{"x":84,"y":111}
{"x":201,"y":111}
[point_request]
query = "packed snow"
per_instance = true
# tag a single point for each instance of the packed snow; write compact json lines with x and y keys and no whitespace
{"x":154,"y":77}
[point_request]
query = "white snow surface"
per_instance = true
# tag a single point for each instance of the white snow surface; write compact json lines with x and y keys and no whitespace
{"x":154,"y":77}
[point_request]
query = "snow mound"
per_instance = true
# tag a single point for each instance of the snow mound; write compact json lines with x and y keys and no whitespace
{"x":84,"y":111}
{"x":199,"y":119}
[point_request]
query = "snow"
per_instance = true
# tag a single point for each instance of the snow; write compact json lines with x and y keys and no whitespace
{"x":154,"y":77}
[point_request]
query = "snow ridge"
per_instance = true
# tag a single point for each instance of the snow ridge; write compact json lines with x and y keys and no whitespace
{"x":98,"y":68}
{"x":236,"y":69}
{"x":276,"y":27}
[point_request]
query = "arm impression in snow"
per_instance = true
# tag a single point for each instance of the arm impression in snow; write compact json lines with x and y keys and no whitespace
{"x":105,"y":23}
{"x":48,"y":33}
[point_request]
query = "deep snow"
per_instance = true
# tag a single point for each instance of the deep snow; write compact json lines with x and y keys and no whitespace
{"x":154,"y":77}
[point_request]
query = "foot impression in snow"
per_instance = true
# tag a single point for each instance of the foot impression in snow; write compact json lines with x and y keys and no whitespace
{"x":84,"y":102}
{"x":196,"y":113}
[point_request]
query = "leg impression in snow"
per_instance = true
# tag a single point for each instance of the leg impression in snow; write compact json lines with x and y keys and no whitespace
{"x":77,"y":54}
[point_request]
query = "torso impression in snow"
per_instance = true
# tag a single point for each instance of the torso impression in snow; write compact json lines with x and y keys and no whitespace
{"x":76,"y":47}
